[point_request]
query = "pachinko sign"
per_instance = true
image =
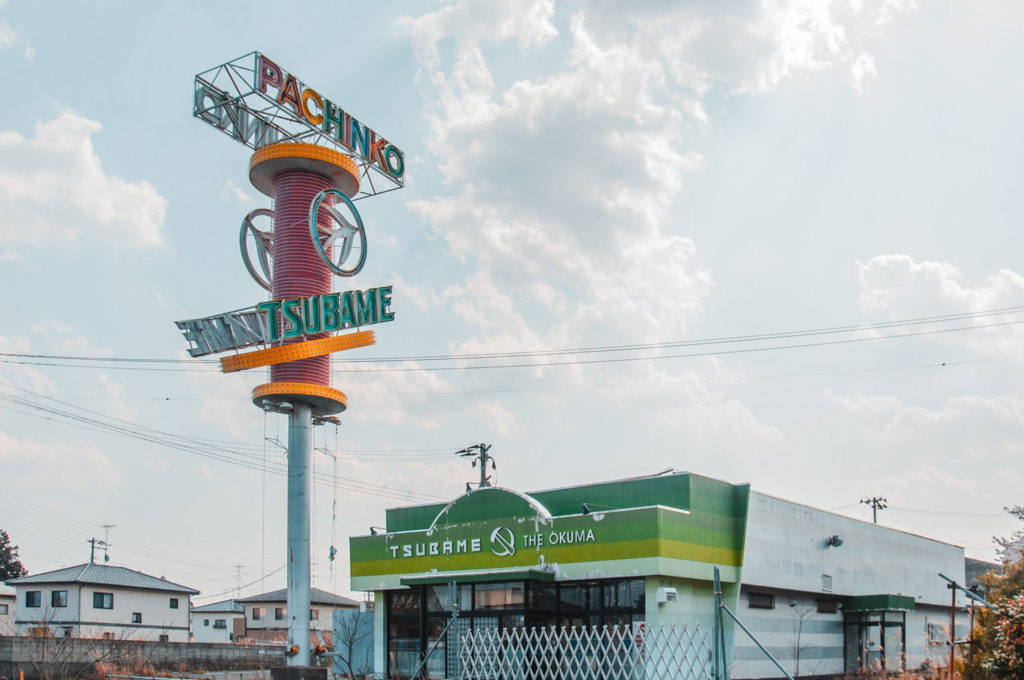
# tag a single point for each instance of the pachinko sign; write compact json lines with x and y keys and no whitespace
{"x":307,"y":104}
{"x":258,"y":103}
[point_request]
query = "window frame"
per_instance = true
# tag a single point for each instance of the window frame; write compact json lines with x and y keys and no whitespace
{"x":136,"y":617}
{"x":174,"y":603}
{"x":102,"y":600}
{"x":257,"y":613}
{"x":760,"y":600}
{"x":33,"y":599}
{"x":58,"y":599}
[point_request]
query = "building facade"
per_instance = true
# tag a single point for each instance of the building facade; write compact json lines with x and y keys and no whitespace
{"x":101,"y":601}
{"x":827,"y":593}
{"x":7,"y":602}
{"x":217,"y":622}
{"x":266,"y":615}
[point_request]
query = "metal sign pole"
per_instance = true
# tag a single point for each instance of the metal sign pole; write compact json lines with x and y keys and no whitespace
{"x":300,"y":453}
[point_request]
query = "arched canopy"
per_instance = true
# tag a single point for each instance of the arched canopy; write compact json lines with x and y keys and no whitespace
{"x":490,"y":503}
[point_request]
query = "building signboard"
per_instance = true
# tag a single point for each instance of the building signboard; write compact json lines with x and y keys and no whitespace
{"x":630,"y":534}
{"x":290,"y":318}
{"x":257,"y":102}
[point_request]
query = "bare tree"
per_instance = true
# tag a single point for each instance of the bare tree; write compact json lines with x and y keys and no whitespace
{"x":798,"y":648}
{"x":351,"y":629}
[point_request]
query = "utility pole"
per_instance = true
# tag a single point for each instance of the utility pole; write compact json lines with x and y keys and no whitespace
{"x":479,"y":453}
{"x":238,"y":580}
{"x":93,"y":542}
{"x":952,"y":625}
{"x":877,"y":503}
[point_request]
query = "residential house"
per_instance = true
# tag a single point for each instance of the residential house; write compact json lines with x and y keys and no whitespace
{"x":266,"y":615}
{"x":6,"y":610}
{"x":217,"y":622}
{"x":101,"y":601}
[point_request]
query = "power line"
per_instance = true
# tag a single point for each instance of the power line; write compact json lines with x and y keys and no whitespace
{"x":111,"y":425}
{"x":38,"y":359}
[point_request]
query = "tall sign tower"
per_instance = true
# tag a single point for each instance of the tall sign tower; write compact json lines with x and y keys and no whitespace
{"x":313,"y":159}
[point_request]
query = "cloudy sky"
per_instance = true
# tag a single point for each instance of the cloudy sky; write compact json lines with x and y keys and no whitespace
{"x":805,"y":213}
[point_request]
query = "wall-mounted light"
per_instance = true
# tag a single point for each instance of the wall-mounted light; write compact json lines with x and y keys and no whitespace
{"x":591,"y":507}
{"x":375,"y":531}
{"x":833,"y":541}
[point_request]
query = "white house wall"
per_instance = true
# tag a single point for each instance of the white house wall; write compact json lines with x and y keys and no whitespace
{"x":793,"y":630}
{"x":86,"y":621}
{"x":786,"y":556}
{"x":786,"y":549}
{"x":204,"y":626}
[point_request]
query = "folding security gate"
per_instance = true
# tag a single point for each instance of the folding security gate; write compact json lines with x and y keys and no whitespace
{"x":638,"y":652}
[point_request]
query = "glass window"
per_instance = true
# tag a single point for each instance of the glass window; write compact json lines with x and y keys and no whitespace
{"x":625,"y":594}
{"x":220,"y":623}
{"x":760,"y":600}
{"x":403,"y":632}
{"x":279,"y":613}
{"x":487,"y":596}
{"x":59,"y":598}
{"x":174,"y":603}
{"x":257,"y":613}
{"x":206,"y":622}
{"x":136,"y":617}
{"x":543,"y":597}
{"x":102,"y":600}
{"x":33,"y":598}
{"x":314,"y":614}
{"x":828,"y":606}
{"x":3,"y":609}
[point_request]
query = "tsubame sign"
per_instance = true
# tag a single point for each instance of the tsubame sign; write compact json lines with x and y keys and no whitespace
{"x":271,"y":321}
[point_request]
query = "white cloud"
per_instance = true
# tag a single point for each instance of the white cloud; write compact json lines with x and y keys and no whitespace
{"x":863,"y":71}
{"x":54,"y":192}
{"x":55,"y":465}
{"x":8,"y":38}
{"x":812,"y":35}
{"x":229,"y":191}
{"x":903,"y":288}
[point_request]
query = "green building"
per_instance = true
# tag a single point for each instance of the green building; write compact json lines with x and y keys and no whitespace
{"x":639,"y":555}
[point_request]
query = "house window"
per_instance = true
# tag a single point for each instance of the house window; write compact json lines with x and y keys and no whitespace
{"x":314,"y":614}
{"x":220,"y":623}
{"x":102,"y":600}
{"x":136,"y":617}
{"x":59,"y":598}
{"x":3,"y":609}
{"x":107,"y":635}
{"x":826,"y":583}
{"x":67,"y":631}
{"x":828,"y":606}
{"x":257,"y":613}
{"x":163,"y":638}
{"x":33,"y":598}
{"x":279,"y":613}
{"x":206,"y":622}
{"x":760,"y":600}
{"x":174,"y":603}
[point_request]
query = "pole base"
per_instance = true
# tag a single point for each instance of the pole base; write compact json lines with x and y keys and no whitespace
{"x":298,"y":673}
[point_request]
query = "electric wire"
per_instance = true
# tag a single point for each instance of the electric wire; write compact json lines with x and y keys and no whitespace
{"x":112,"y":425}
{"x":48,"y":360}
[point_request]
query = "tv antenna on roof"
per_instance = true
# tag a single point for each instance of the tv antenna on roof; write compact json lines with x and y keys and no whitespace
{"x":479,"y":453}
{"x":106,"y":540}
